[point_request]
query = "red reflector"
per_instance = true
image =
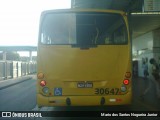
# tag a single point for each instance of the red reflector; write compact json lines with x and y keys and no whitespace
{"x":126,"y":82}
{"x":118,"y":100}
{"x":43,"y":83}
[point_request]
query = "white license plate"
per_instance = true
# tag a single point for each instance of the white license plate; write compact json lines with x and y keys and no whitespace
{"x":84,"y":85}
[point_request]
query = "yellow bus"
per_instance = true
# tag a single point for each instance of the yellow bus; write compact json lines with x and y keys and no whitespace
{"x":84,"y":58}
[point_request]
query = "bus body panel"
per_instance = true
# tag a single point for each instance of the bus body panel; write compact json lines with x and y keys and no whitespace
{"x":102,"y":66}
{"x":75,"y":65}
{"x":63,"y":61}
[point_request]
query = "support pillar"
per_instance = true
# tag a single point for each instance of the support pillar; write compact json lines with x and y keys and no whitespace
{"x":156,"y":44}
{"x":30,"y":55}
{"x":4,"y":55}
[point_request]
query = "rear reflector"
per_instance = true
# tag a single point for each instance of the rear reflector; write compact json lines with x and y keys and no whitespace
{"x":115,"y":100}
{"x":43,"y":83}
{"x":118,"y":100}
{"x":112,"y":100}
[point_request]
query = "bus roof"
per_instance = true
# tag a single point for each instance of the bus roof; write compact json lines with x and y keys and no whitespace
{"x":82,"y":10}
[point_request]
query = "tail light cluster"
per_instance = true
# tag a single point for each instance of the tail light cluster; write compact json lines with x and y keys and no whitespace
{"x":126,"y":81}
{"x":127,"y":77}
{"x":43,"y":83}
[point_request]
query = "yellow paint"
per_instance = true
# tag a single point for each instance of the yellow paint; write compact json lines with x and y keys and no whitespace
{"x":63,"y":66}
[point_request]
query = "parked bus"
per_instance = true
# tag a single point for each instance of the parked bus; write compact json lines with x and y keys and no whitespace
{"x":84,"y":58}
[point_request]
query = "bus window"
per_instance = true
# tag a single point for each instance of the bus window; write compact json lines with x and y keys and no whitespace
{"x":58,"y":29}
{"x":83,"y":29}
{"x":119,"y":36}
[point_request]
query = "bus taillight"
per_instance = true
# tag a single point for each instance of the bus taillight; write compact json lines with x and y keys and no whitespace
{"x":126,"y":82}
{"x":128,"y":75}
{"x":40,"y":75}
{"x":43,"y":83}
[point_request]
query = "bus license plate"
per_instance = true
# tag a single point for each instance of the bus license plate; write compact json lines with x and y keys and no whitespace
{"x":84,"y":85}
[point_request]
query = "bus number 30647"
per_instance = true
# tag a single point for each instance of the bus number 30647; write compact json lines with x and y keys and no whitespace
{"x":107,"y":91}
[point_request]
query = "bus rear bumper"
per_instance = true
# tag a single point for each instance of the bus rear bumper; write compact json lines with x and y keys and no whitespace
{"x":84,"y":100}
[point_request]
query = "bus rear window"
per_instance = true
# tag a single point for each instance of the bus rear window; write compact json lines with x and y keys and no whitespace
{"x":83,"y":29}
